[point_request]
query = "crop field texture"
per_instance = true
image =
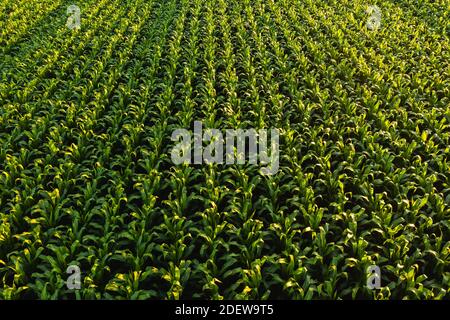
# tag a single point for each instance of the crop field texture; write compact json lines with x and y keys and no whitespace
{"x":87,"y":178}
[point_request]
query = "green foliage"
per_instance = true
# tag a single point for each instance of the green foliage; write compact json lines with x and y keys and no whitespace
{"x":86,"y":177}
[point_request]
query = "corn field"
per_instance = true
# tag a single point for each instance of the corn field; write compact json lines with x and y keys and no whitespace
{"x":360,"y":94}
